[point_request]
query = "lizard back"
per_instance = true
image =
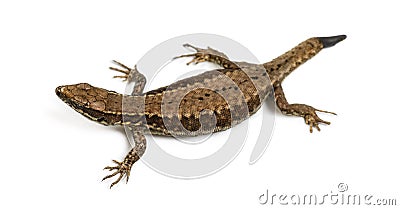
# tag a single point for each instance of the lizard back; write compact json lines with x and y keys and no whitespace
{"x":209,"y":102}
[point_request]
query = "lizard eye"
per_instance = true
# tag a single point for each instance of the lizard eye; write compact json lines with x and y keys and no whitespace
{"x":101,"y":119}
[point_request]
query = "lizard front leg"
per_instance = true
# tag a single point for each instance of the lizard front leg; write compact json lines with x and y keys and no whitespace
{"x":131,"y":75}
{"x":123,"y":168}
{"x":210,"y":55}
{"x":307,"y":112}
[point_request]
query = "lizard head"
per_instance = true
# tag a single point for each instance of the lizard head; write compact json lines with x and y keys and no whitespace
{"x":95,"y":103}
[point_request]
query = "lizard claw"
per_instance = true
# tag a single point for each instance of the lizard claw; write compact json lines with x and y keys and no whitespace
{"x":201,"y":55}
{"x":313,"y":120}
{"x":122,"y":169}
{"x":126,"y":71}
{"x":187,"y":45}
{"x":198,"y":59}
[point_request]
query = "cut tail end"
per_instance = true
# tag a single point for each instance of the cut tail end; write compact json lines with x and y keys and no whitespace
{"x":331,"y":40}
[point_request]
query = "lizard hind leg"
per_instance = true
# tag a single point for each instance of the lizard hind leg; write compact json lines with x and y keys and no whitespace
{"x":307,"y":112}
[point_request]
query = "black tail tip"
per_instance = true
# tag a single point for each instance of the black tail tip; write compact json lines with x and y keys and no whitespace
{"x":331,"y":40}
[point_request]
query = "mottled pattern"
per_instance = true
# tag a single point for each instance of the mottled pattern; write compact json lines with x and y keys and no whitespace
{"x":222,"y":97}
{"x":94,"y":103}
{"x":283,"y":65}
{"x":230,"y":95}
{"x":209,"y":102}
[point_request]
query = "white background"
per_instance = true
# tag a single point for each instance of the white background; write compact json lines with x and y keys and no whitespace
{"x":51,"y":157}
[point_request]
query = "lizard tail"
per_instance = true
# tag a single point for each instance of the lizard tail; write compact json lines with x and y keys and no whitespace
{"x":331,"y":40}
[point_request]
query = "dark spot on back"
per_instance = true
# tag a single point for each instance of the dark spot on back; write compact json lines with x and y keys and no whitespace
{"x":156,"y":91}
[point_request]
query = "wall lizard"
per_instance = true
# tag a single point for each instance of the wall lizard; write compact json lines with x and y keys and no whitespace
{"x":196,"y":105}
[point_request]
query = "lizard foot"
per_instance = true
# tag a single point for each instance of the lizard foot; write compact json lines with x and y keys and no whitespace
{"x":311,"y":118}
{"x":128,"y":73}
{"x":122,"y":169}
{"x":201,"y":54}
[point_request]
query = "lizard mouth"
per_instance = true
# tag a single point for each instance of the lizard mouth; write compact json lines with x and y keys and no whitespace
{"x":75,"y":96}
{"x":65,"y":95}
{"x":60,"y":92}
{"x":73,"y":93}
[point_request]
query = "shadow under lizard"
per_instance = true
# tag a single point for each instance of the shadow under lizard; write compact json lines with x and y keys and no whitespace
{"x":209,"y":102}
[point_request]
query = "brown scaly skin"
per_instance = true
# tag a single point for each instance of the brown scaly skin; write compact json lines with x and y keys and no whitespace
{"x":282,"y":66}
{"x":219,"y":99}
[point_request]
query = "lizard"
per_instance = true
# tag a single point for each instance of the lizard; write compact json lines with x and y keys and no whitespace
{"x":209,"y":102}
